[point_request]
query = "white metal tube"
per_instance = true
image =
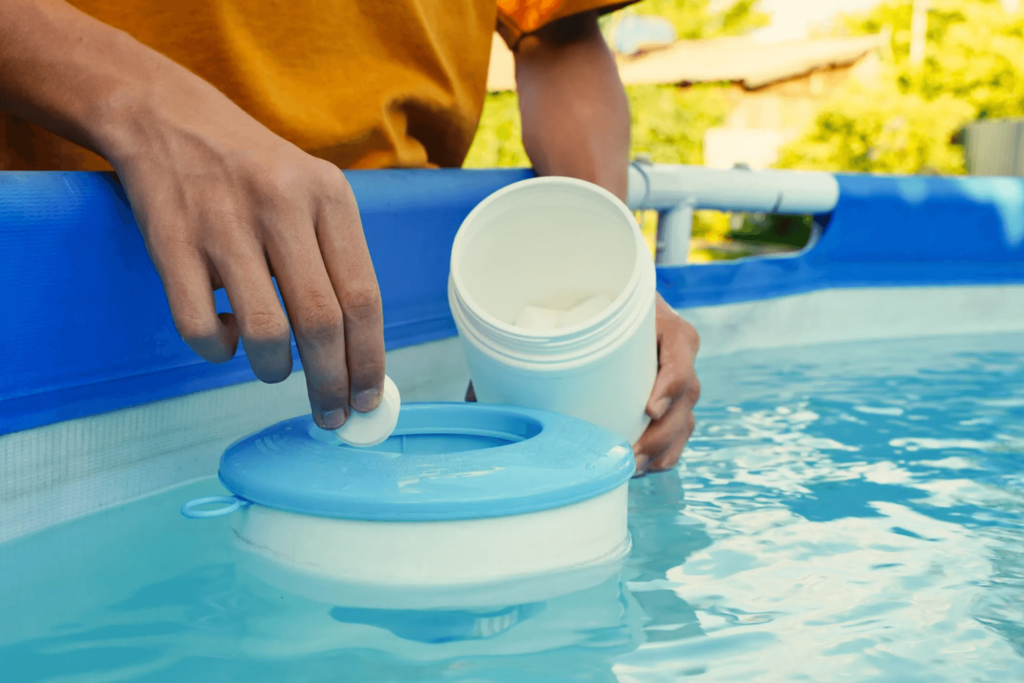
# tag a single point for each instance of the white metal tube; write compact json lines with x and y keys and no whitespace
{"x":675,"y":227}
{"x":663,"y":187}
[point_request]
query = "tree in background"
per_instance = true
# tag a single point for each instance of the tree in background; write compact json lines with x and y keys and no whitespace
{"x":975,"y":52}
{"x":973,"y":68}
{"x":880,"y":129}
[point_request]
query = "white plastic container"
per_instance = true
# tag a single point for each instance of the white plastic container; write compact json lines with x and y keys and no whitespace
{"x":555,"y":244}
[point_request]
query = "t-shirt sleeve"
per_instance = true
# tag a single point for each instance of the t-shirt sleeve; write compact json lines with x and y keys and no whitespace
{"x":516,"y":18}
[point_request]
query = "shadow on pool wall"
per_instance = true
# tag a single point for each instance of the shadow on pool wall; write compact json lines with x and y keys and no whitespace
{"x":69,"y":247}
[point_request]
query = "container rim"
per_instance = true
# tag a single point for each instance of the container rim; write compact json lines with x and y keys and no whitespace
{"x":470,"y":226}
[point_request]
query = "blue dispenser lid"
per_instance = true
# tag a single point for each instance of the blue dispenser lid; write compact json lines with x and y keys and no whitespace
{"x":444,"y":461}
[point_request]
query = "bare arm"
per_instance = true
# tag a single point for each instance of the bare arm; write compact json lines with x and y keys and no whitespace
{"x":573,"y":106}
{"x":87,"y":81}
{"x":576,"y":123}
{"x":220,"y":200}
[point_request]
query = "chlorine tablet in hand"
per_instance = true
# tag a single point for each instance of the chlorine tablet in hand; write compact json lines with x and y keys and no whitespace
{"x":372,"y":428}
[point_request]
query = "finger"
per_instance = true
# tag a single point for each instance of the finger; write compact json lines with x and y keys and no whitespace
{"x":346,"y":257}
{"x":261,"y":321}
{"x":315,"y":316}
{"x":670,"y":456}
{"x":669,"y":322}
{"x":661,"y":434}
{"x":675,"y":381}
{"x":641,"y":461}
{"x":676,"y":377}
{"x":187,"y":284}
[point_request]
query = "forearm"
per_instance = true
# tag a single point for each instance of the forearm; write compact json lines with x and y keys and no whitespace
{"x":220,"y":200}
{"x":574,"y":109}
{"x":89,"y":82}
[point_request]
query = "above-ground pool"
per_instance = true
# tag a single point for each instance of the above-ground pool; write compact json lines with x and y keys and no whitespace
{"x":851,"y":512}
{"x":849,"y":508}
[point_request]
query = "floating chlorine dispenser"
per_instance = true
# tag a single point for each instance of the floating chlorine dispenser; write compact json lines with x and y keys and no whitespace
{"x":459,"y":494}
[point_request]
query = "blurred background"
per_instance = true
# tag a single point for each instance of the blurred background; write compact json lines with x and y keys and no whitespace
{"x":897,"y":86}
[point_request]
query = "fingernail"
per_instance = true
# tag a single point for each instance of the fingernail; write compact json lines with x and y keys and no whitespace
{"x":659,"y":408}
{"x":332,"y":419}
{"x":365,"y":401}
{"x":641,"y":465}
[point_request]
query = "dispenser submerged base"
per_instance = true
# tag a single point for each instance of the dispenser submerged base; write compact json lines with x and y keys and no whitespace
{"x":456,"y":552}
{"x":335,"y":584}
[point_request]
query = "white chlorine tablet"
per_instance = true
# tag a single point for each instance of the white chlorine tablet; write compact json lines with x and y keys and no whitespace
{"x":370,"y":429}
{"x":540,"y":319}
{"x":586,"y":310}
{"x":546,"y":319}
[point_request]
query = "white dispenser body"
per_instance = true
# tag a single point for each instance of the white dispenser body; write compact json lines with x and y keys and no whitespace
{"x":454,"y":553}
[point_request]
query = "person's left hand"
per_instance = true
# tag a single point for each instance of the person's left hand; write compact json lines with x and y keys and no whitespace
{"x":676,"y":390}
{"x":675,"y":393}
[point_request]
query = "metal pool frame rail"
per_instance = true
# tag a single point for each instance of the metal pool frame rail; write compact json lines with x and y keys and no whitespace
{"x":85,"y":327}
{"x":677,"y":191}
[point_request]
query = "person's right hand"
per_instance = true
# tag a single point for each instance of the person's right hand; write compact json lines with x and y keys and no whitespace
{"x":223,"y":202}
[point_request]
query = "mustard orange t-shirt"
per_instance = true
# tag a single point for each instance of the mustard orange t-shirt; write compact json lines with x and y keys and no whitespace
{"x":361,"y":83}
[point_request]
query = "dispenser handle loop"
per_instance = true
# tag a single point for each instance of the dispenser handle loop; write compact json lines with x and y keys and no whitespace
{"x":228,"y":505}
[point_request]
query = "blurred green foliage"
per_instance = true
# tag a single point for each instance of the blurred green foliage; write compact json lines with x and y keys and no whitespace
{"x":701,"y":18}
{"x":904,"y":122}
{"x":975,"y":52}
{"x":668,"y":125}
{"x":880,"y":129}
{"x":787,"y":231}
{"x":498,"y":140}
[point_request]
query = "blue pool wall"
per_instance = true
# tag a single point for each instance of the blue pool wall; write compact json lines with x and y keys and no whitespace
{"x":885,"y":231}
{"x":85,"y":327}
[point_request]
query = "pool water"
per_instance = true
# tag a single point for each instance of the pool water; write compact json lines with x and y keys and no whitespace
{"x":843,"y":513}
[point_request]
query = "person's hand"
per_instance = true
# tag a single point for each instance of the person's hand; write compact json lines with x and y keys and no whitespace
{"x":675,"y":393}
{"x":223,"y":202}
